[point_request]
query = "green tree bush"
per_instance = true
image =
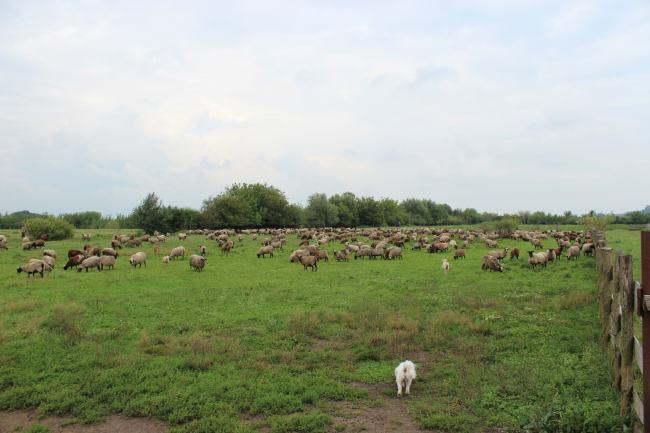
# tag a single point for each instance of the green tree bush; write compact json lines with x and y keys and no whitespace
{"x":56,"y":228}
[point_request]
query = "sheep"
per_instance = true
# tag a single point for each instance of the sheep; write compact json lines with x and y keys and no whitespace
{"x":573,"y":252}
{"x":94,"y":251}
{"x":404,"y":375}
{"x":38,"y":243}
{"x":182,"y":236}
{"x":491,"y":263}
{"x":537,"y":243}
{"x":297,"y":254}
{"x":156,"y":248}
{"x":3,"y":246}
{"x":499,"y":254}
{"x":108,"y":261}
{"x":537,"y":259}
{"x":309,"y":261}
{"x":550,"y":254}
{"x":225,"y":249}
{"x":92,"y":262}
{"x":154,"y":241}
{"x":394,"y":253}
{"x":197,"y":262}
{"x":25,"y":239}
{"x":83,"y":237}
{"x":27,"y":246}
{"x":165,"y":260}
{"x":202,"y":249}
{"x":453,"y":244}
{"x":177,"y":252}
{"x":47,"y":266}
{"x":145,"y":238}
{"x":265,"y":250}
{"x":276,"y":245}
{"x":140,"y":259}
{"x":32,"y":268}
{"x":377,"y":252}
{"x":416,"y":246}
{"x":109,"y":252}
{"x":133,"y":242}
{"x":3,"y":238}
{"x":161,"y":238}
{"x":364,"y":252}
{"x":587,"y":249}
{"x":491,"y":244}
{"x":342,"y":255}
{"x":115,"y":244}
{"x":321,"y":254}
{"x":460,"y":254}
{"x":445,"y":265}
{"x":50,"y":253}
{"x":514,"y":253}
{"x":74,"y":261}
{"x":50,"y":261}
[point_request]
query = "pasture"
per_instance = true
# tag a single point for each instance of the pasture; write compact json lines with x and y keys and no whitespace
{"x":261,"y":345}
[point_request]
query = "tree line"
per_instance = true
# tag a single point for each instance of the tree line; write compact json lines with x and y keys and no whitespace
{"x":262,"y":205}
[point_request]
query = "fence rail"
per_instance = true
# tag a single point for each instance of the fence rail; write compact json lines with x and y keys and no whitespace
{"x":638,"y":227}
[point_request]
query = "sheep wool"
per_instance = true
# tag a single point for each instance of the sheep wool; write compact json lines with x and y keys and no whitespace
{"x":50,"y":253}
{"x":91,"y":262}
{"x":197,"y":262}
{"x":404,"y":376}
{"x":138,"y":259}
{"x":33,"y":268}
{"x":108,"y":261}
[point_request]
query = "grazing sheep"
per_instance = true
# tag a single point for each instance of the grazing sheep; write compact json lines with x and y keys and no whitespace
{"x":108,"y":261}
{"x":156,"y":248}
{"x":3,"y":246}
{"x":499,"y":254}
{"x":377,"y":252}
{"x":453,"y":244}
{"x":27,"y":246}
{"x":445,"y":265}
{"x":491,"y":263}
{"x":38,"y":243}
{"x":50,"y":253}
{"x":573,"y":252}
{"x":342,"y":255}
{"x":182,"y":236}
{"x":3,"y":238}
{"x":364,"y":252}
{"x":74,"y":261}
{"x":25,"y":239}
{"x":109,"y":252}
{"x":133,"y":243}
{"x":154,"y":241}
{"x":537,"y":243}
{"x":177,"y":252}
{"x":460,"y":254}
{"x":145,"y":238}
{"x":309,"y":261}
{"x":50,"y":261}
{"x":32,"y":268}
{"x":85,"y":237}
{"x":404,"y":376}
{"x":72,"y":253}
{"x":465,"y":244}
{"x":588,"y":248}
{"x":197,"y":262}
{"x":297,"y":254}
{"x":550,"y":254}
{"x":94,"y":251}
{"x":225,"y":249}
{"x":276,"y":245}
{"x":92,"y":262}
{"x":394,"y":253}
{"x":140,"y":259}
{"x":537,"y":259}
{"x":491,"y":244}
{"x":161,"y":238}
{"x":265,"y":250}
{"x":165,"y":260}
{"x":116,"y":244}
{"x":321,"y":254}
{"x":416,"y":246}
{"x":514,"y":253}
{"x":203,"y":249}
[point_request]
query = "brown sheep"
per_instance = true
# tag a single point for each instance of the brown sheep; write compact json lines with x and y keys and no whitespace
{"x":342,"y":255}
{"x":459,"y":254}
{"x":514,"y":253}
{"x":309,"y":261}
{"x":499,"y":254}
{"x":72,"y":253}
{"x":38,"y":243}
{"x":94,"y":251}
{"x":491,"y":263}
{"x":321,"y":254}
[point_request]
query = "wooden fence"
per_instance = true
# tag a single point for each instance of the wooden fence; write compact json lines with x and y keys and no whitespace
{"x":638,"y":227}
{"x":617,"y":305}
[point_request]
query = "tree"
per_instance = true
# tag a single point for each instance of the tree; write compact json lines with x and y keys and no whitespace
{"x":56,"y":228}
{"x":636,"y":217}
{"x":351,"y":202}
{"x":391,"y":210}
{"x":325,"y":213}
{"x":506,"y":225}
{"x":149,"y":215}
{"x":598,"y":222}
{"x":370,"y":212}
{"x":345,"y":215}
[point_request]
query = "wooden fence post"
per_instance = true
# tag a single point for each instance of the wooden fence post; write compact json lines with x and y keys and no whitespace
{"x":628,"y":293}
{"x":605,"y":292}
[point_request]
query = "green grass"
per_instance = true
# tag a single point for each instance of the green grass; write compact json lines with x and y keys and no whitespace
{"x":263,"y":337}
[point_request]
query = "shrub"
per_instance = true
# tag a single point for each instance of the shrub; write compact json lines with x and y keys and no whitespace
{"x":55,"y":228}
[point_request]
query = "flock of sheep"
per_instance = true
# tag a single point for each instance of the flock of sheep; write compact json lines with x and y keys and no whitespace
{"x":386,"y":244}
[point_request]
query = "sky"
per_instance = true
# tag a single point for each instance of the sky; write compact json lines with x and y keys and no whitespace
{"x":497,"y":105}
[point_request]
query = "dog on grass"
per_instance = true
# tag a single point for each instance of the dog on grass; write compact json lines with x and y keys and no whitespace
{"x":404,"y":375}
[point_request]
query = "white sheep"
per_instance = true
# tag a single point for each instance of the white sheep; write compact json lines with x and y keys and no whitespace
{"x":165,"y":260}
{"x":404,"y":375}
{"x":137,"y":259}
{"x":445,"y":266}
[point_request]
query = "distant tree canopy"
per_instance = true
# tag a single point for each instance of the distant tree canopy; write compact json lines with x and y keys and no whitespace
{"x":249,"y":205}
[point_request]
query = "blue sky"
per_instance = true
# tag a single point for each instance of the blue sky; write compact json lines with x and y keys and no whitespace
{"x":498,"y":105}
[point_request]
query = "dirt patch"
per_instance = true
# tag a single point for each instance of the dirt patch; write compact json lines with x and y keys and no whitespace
{"x":22,"y":420}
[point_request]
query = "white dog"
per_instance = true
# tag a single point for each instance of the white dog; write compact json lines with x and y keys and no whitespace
{"x":404,"y":374}
{"x":445,"y":265}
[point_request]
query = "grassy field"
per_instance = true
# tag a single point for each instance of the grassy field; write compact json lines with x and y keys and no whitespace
{"x":259,"y":343}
